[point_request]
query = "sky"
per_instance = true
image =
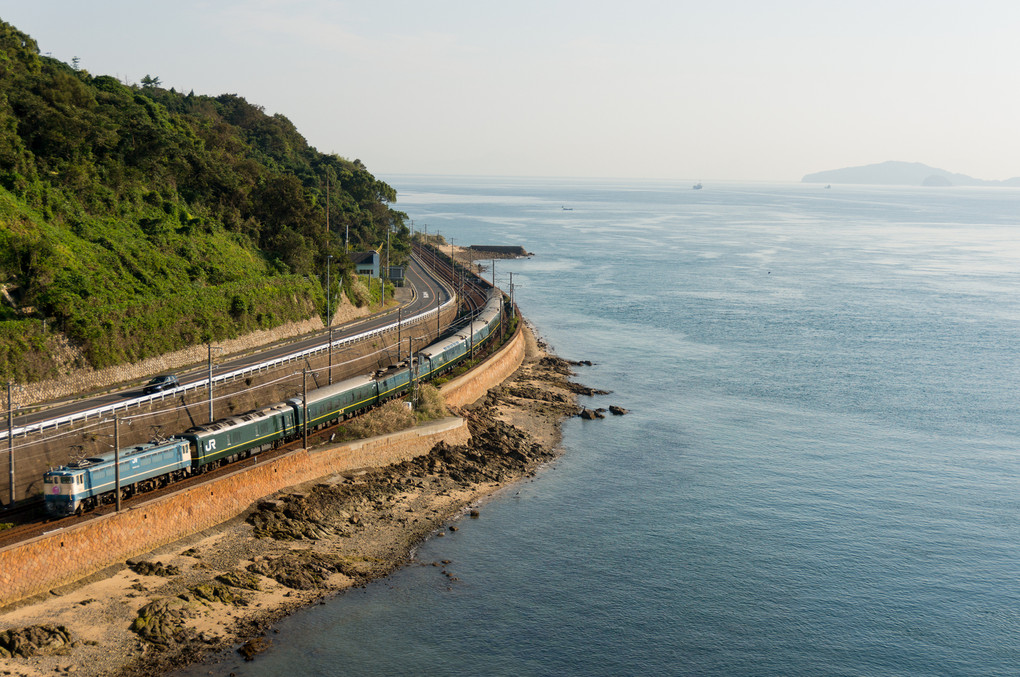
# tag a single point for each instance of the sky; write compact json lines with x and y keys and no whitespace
{"x":670,"y":89}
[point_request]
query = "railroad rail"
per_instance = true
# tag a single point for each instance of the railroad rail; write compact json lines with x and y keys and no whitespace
{"x":105,"y":410}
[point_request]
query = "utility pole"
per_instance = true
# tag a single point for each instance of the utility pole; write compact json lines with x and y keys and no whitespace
{"x":10,"y":437}
{"x":398,"y":331}
{"x":329,"y":289}
{"x":331,"y":356}
{"x":453,"y":271}
{"x":411,"y":368}
{"x":304,"y":401}
{"x":211,"y":418}
{"x":116,"y":458}
{"x":511,"y":294}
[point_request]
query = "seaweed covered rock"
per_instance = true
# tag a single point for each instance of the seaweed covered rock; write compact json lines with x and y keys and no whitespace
{"x":290,"y":518}
{"x":145,"y":568}
{"x":214,"y":592}
{"x":254,"y":647}
{"x":161,"y":622}
{"x":35,"y":640}
{"x":240,"y":579}
{"x":325,"y":510}
{"x":300,"y":570}
{"x":529,"y":392}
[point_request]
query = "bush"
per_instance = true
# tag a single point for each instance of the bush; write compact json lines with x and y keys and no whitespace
{"x":388,"y":418}
{"x":358,"y":293}
{"x":430,"y":403}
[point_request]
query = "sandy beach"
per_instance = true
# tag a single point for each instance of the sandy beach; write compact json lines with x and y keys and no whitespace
{"x":226,"y":586}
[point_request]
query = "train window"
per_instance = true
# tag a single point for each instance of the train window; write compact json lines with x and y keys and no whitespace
{"x":66,"y":480}
{"x":49,"y":480}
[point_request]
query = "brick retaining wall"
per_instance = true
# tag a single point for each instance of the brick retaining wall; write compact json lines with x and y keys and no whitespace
{"x":75,"y":552}
{"x":72,"y":553}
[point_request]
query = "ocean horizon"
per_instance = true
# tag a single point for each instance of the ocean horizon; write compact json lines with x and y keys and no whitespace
{"x":818,"y":475}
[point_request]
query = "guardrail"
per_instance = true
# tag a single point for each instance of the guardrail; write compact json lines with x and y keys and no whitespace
{"x":229,"y":376}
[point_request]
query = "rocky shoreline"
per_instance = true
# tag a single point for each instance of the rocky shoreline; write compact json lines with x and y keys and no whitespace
{"x":184,"y":602}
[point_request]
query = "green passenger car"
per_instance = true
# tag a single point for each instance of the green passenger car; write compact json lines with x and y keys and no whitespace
{"x":393,"y":382}
{"x":334,"y":402}
{"x":238,"y":436}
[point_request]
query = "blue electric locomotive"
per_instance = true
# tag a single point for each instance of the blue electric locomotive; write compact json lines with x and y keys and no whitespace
{"x":82,"y":485}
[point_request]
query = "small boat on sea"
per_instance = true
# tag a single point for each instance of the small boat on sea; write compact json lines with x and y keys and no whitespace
{"x":697,"y":186}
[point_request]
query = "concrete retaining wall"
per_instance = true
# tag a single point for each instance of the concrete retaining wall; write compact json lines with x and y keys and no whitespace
{"x":73,"y":553}
{"x":473,"y":385}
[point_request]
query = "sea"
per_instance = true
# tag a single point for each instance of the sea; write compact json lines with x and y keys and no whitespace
{"x":819,"y":473}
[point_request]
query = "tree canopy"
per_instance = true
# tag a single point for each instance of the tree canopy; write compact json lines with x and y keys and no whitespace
{"x":138,"y":220}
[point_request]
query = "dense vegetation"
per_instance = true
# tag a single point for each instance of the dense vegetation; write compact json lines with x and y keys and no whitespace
{"x":136,"y":220}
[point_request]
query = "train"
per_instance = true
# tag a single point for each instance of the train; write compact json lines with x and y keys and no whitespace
{"x":84,"y":484}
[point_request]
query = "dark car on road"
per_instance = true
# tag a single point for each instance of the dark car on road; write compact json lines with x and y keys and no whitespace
{"x":161,"y":383}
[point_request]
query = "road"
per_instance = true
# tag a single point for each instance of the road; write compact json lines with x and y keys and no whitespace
{"x":426,"y":292}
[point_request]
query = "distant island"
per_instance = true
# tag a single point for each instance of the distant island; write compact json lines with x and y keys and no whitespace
{"x":894,"y":173}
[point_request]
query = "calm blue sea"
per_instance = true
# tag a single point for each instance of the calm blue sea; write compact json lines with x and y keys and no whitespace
{"x":820,"y":474}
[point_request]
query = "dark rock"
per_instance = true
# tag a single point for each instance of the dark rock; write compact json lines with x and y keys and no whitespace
{"x":214,"y":592}
{"x":153,"y":568}
{"x":304,"y":569}
{"x":254,"y":647}
{"x":618,"y":411}
{"x":35,"y":640}
{"x":240,"y":579}
{"x":161,"y":622}
{"x":579,"y":389}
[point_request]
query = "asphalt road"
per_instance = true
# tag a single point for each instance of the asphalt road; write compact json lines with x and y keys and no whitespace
{"x":427,"y":289}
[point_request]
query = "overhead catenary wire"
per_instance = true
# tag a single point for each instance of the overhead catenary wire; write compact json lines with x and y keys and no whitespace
{"x":90,"y":428}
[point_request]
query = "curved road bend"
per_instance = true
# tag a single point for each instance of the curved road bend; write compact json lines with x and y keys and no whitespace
{"x":423,"y":282}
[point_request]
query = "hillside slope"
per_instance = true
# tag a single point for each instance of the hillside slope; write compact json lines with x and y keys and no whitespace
{"x":137,"y":220}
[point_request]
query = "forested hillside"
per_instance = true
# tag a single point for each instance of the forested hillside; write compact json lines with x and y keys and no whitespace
{"x":137,"y":220}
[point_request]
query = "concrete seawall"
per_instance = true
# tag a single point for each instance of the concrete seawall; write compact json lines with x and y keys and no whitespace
{"x":469,"y":387}
{"x":72,"y":553}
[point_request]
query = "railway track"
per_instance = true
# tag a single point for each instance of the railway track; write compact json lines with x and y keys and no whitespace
{"x":29,"y":520}
{"x":471,"y":290}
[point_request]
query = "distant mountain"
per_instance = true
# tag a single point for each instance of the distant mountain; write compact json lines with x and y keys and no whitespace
{"x":902,"y":174}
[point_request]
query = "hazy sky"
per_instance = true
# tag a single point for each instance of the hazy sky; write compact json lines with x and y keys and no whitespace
{"x":713,"y":89}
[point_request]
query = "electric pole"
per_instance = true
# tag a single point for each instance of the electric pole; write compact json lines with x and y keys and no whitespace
{"x":10,"y":437}
{"x":211,"y":347}
{"x":116,"y":458}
